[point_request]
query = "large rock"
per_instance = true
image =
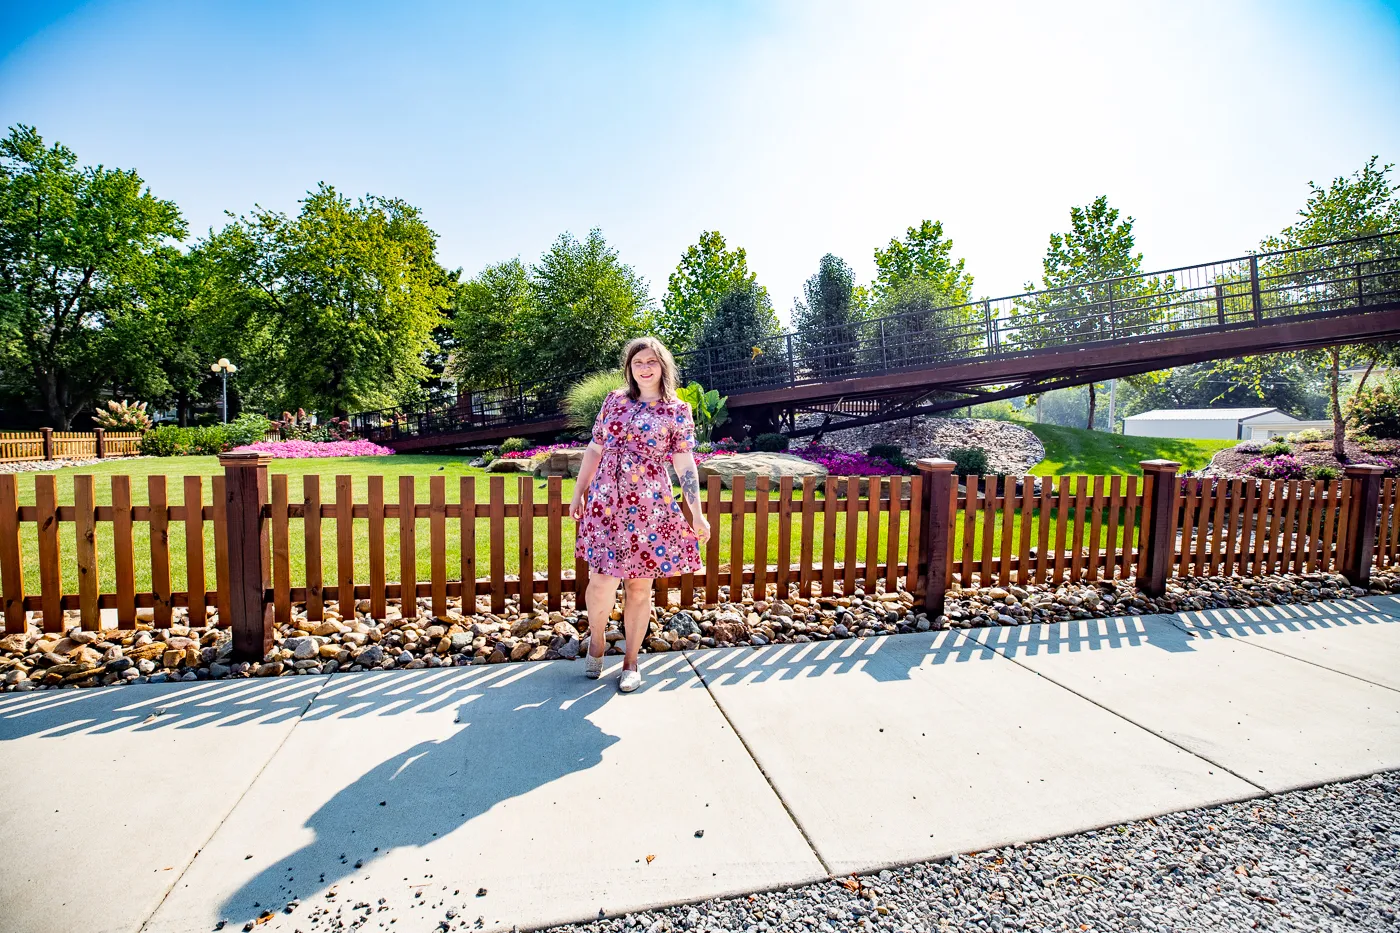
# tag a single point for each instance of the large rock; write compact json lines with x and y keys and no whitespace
{"x":509,"y":465}
{"x":754,"y":465}
{"x":561,"y":463}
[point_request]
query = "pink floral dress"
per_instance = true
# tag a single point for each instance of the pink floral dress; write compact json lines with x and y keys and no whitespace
{"x":632,"y":526}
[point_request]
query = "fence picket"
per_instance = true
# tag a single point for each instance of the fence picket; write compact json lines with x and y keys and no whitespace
{"x":50,"y":566}
{"x":809,"y":522}
{"x":1081,"y":506}
{"x":990,"y":490}
{"x":85,"y":550}
{"x":194,"y":550}
{"x":159,"y":523}
{"x":311,"y":537}
{"x":554,"y":533}
{"x":688,"y":579}
{"x":526,"y":495}
{"x":1149,"y":488}
{"x":760,"y":538}
{"x":1393,"y":519}
{"x":892,"y":531}
{"x":281,"y":552}
{"x":1204,"y":491}
{"x":1232,"y":515}
{"x":1008,"y":529}
{"x":1042,"y":544}
{"x":829,"y":538}
{"x":378,"y":597}
{"x":736,"y":538}
{"x":1326,"y":559}
{"x":345,"y":546}
{"x":123,"y":552}
{"x":497,"y":531}
{"x":1096,"y":529}
{"x":466,"y":496}
{"x":1217,"y":525}
{"x":916,"y":507}
{"x":872,"y":534}
{"x":848,"y":568}
{"x":1130,"y":524}
{"x":970,"y":503}
{"x":437,"y":543}
{"x":1344,"y":519}
{"x":1061,"y":530}
{"x":711,"y":506}
{"x":784,"y":572}
{"x":221,"y":575}
{"x":1300,"y":526}
{"x":1115,"y":503}
{"x":11,"y":567}
{"x":1319,"y":489}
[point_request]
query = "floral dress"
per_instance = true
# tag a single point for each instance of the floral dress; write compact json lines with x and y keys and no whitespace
{"x":632,"y":526}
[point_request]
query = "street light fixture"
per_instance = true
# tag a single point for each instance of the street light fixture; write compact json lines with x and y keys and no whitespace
{"x":224,"y":367}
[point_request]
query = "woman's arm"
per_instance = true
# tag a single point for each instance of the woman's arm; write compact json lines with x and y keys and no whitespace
{"x":689,"y":475}
{"x":591,"y":455}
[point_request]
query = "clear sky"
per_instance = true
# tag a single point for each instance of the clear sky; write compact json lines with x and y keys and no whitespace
{"x":795,"y":128}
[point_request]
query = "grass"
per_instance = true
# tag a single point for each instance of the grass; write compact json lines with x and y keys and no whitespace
{"x":1071,"y":451}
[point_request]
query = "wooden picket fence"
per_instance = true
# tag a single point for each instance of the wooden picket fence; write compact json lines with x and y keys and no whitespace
{"x":990,"y":530}
{"x":67,"y":445}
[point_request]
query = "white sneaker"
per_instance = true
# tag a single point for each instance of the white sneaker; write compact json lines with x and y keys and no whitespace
{"x":593,"y":667}
{"x":629,"y":681}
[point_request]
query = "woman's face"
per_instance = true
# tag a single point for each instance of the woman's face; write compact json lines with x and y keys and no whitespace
{"x":646,"y":369}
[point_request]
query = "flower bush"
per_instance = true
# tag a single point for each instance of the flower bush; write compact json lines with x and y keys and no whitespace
{"x":297,"y":449}
{"x":1283,"y":466}
{"x":843,"y":463}
{"x":122,"y":416}
{"x":532,"y":452}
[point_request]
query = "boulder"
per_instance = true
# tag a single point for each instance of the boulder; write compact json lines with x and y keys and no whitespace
{"x":560,"y":463}
{"x":509,"y":465}
{"x":753,"y":465}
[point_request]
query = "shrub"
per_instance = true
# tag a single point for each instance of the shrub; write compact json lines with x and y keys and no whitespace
{"x":487,"y":456}
{"x":164,"y":441}
{"x":1305,"y":436}
{"x":1377,"y":410}
{"x":301,"y":427}
{"x":969,"y":461}
{"x":705,"y":448}
{"x":585,"y":398}
{"x":247,"y":428}
{"x":123,"y":416}
{"x":707,"y":409}
{"x":771,"y":443}
{"x":513,"y":445}
{"x":890,"y":452}
{"x":1323,"y":472}
{"x":1283,"y":466}
{"x":1249,"y":447}
{"x":1276,"y":448}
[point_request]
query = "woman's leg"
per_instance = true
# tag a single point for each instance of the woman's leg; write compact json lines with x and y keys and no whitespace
{"x":636,"y":617}
{"x":602,"y":595}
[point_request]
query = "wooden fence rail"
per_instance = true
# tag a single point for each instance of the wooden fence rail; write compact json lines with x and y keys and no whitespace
{"x":48,"y":444}
{"x":981,"y":531}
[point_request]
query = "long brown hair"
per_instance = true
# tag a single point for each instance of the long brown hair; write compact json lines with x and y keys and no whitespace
{"x":668,"y":367}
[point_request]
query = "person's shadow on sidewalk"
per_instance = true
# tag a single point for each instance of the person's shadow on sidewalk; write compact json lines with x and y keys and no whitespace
{"x":507,"y":744}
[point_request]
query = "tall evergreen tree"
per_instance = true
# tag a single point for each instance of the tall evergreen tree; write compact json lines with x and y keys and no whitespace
{"x":826,"y":324}
{"x":739,"y":342}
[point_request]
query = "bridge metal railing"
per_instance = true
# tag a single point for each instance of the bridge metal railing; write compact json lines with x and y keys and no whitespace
{"x":1300,"y":283}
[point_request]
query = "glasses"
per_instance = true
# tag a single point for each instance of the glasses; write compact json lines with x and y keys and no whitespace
{"x":645,"y":364}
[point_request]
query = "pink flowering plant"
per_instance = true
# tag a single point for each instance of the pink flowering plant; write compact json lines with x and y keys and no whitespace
{"x":537,"y":451}
{"x":837,"y":462}
{"x":1283,"y":466}
{"x":298,"y":449}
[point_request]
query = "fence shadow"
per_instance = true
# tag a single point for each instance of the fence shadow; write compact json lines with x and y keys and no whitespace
{"x":1269,"y":620}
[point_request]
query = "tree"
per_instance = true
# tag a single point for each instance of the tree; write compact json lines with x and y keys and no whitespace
{"x":919,"y":322}
{"x":826,"y":324}
{"x":339,"y":303}
{"x":926,"y":255}
{"x":490,"y":317}
{"x":1359,"y":206}
{"x":75,"y":245}
{"x":1076,"y":305}
{"x":737,"y":346}
{"x":587,"y":305}
{"x":707,"y":271}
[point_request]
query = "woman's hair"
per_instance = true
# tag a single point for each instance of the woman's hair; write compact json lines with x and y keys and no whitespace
{"x":668,"y":367}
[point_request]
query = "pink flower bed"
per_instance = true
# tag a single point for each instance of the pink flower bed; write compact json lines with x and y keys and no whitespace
{"x":527,"y":454}
{"x":316,"y":449}
{"x":837,"y":462}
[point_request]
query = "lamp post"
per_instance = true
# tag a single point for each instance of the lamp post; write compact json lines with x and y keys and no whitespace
{"x":224,"y":367}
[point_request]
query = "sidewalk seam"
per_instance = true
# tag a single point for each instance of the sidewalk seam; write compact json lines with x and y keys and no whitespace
{"x":752,"y":757}
{"x":1115,"y":712}
{"x":234,"y":806}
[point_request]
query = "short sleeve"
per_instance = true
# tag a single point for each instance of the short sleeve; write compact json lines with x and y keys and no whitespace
{"x":600,"y":424}
{"x":682,"y":431}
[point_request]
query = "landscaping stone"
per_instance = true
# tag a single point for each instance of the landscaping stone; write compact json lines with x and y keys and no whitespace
{"x":753,"y":465}
{"x":509,"y":465}
{"x":1010,"y":448}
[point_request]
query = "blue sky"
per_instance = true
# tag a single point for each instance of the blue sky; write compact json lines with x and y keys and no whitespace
{"x":795,"y":128}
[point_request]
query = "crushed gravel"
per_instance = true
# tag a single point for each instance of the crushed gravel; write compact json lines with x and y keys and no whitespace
{"x":1322,"y":859}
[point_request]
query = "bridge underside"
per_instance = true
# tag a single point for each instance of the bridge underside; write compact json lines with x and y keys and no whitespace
{"x":887,"y":396}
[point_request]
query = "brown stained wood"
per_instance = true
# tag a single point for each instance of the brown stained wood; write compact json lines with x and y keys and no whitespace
{"x":194,"y":549}
{"x":1081,"y":508}
{"x":762,"y":502}
{"x":990,"y":499}
{"x":1217,"y":531}
{"x":467,"y":534}
{"x":806,"y":560}
{"x":1204,"y":487}
{"x":848,"y":569}
{"x":1262,"y":496}
{"x":1277,"y":532}
{"x":1300,"y":526}
{"x":1382,"y":539}
{"x":554,"y":537}
{"x":1343,"y":524}
{"x":1142,"y":505}
{"x":829,"y":538}
{"x":687,"y":579}
{"x":1042,"y":544}
{"x":123,"y":552}
{"x":1319,"y":490}
{"x":783,"y":575}
{"x":378,"y":598}
{"x":50,"y":559}
{"x":222,"y":587}
{"x":408,"y":547}
{"x":1008,"y":529}
{"x":11,"y":566}
{"x":311,"y":536}
{"x":437,"y":543}
{"x":1095,"y":555}
{"x":345,"y":546}
{"x":916,"y":526}
{"x":85,"y":550}
{"x":1244,"y":558}
{"x":1113,"y":560}
{"x":497,"y":531}
{"x":892,"y":531}
{"x":736,"y":538}
{"x":1023,"y":537}
{"x":281,"y":553}
{"x":1233,"y":494}
{"x":1187,"y":525}
{"x":711,"y":505}
{"x":1394,"y":521}
{"x":526,"y":495}
{"x":872,"y":533}
{"x":1061,"y":529}
{"x":1286,"y":517}
{"x":969,"y":536}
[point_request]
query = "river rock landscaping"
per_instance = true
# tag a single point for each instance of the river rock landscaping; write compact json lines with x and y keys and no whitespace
{"x":1010,"y":448}
{"x":78,"y":658}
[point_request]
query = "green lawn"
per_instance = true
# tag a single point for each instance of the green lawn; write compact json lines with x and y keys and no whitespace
{"x":1070,"y":451}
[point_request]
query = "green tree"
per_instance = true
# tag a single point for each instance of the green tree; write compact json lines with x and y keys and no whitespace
{"x":1363,"y":204}
{"x":1076,"y":304}
{"x":338,"y":303}
{"x":926,"y":255}
{"x":587,"y":305}
{"x":75,"y":246}
{"x":826,"y":324}
{"x":490,"y":319}
{"x":738,"y":345}
{"x":707,"y":271}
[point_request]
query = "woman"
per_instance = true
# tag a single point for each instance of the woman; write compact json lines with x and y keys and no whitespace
{"x":630,"y":528}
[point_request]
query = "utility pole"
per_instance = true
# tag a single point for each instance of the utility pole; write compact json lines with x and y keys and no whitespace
{"x":1112,"y":398}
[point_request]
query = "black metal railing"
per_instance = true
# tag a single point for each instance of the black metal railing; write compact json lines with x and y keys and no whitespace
{"x":1331,"y":278}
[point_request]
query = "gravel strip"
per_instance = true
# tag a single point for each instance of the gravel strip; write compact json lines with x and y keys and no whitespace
{"x":40,"y":466}
{"x":1322,"y":859}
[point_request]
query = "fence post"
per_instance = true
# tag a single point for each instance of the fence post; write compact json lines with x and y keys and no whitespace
{"x":99,"y":443}
{"x":48,"y":442}
{"x":1361,"y":528}
{"x":245,"y":492}
{"x":938,"y":477}
{"x":1159,"y":545}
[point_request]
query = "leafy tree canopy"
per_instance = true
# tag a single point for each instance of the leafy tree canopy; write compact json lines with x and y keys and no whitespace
{"x":826,"y":323}
{"x":489,"y":317}
{"x":924,"y":254}
{"x":707,"y":271}
{"x":738,"y":344}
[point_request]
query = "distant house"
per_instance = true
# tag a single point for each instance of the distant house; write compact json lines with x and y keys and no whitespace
{"x":1235,"y":424}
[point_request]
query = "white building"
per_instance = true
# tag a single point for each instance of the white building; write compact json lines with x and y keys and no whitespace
{"x":1233,"y":424}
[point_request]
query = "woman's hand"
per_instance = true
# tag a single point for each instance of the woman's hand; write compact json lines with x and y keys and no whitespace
{"x":701,"y":526}
{"x":576,"y":507}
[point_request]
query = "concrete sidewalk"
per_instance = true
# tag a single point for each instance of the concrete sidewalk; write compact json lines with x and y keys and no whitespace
{"x":525,"y":795}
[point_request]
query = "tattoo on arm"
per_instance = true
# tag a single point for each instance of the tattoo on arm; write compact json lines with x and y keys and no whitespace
{"x":690,"y":487}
